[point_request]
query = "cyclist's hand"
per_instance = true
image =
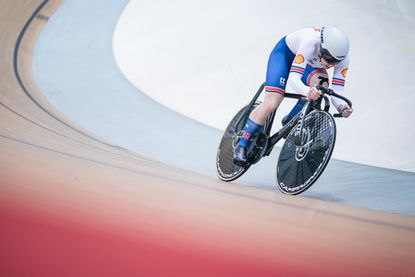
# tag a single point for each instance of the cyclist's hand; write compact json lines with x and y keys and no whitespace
{"x":313,"y":93}
{"x":345,"y":111}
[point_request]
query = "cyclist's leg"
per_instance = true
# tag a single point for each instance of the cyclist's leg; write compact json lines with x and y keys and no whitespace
{"x":271,"y":101}
{"x":294,"y":111}
{"x":279,"y":64}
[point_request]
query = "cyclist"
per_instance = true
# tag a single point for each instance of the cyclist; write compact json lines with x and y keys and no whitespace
{"x":293,"y":59}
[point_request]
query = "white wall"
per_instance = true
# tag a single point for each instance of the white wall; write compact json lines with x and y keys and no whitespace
{"x":205,"y":59}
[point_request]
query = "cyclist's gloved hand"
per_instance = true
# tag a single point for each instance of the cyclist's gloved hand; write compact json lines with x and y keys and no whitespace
{"x":313,"y":93}
{"x":345,"y":110}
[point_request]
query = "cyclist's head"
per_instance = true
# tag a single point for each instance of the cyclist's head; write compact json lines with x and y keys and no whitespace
{"x":334,"y":45}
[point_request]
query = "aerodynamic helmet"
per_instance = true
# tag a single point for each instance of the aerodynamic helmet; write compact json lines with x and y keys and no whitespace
{"x":334,"y":45}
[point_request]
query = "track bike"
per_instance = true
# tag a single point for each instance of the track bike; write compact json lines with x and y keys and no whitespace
{"x":309,"y":136}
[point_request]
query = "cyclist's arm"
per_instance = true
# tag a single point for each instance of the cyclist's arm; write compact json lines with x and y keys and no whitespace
{"x":338,"y":82}
{"x":298,"y":68}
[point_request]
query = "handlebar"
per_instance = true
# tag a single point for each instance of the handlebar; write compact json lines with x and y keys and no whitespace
{"x":332,"y":93}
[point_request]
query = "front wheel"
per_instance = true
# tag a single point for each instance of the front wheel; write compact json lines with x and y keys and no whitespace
{"x":300,"y":166}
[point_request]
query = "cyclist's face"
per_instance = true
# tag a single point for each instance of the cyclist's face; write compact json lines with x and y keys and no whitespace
{"x":325,"y":64}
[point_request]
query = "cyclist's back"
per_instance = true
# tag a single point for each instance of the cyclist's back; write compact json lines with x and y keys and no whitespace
{"x":309,"y":37}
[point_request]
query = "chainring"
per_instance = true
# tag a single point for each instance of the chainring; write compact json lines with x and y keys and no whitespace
{"x":257,"y":147}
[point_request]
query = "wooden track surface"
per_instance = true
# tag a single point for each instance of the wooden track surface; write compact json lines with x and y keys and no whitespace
{"x":71,"y":202}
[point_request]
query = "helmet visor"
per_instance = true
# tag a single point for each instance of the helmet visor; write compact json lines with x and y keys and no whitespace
{"x":325,"y":54}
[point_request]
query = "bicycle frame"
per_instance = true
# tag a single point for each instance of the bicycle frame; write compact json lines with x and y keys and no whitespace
{"x":263,"y":142}
{"x":286,"y":129}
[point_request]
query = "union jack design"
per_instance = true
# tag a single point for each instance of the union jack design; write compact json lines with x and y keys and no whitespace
{"x":338,"y":82}
{"x":246,"y":135}
{"x":275,"y":89}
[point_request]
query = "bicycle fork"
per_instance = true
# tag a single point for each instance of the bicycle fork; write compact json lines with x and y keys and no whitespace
{"x":300,"y":136}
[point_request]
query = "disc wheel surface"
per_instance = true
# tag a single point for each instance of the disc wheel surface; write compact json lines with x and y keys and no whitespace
{"x":299,"y":167}
{"x":226,"y":169}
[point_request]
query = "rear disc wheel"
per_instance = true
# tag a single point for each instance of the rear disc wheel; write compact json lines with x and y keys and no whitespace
{"x":226,"y":169}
